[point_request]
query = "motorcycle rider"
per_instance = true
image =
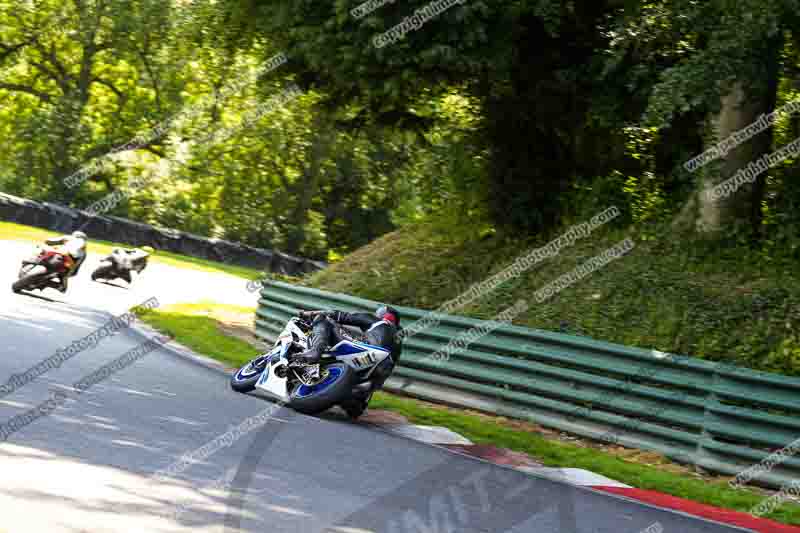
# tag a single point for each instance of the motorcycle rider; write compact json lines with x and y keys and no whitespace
{"x":136,"y":254}
{"x":141,"y":256}
{"x":138,"y":257}
{"x":74,"y":245}
{"x":379,"y":329}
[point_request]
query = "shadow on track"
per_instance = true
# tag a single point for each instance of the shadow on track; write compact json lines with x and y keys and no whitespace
{"x":40,"y":297}
{"x":113,"y":285}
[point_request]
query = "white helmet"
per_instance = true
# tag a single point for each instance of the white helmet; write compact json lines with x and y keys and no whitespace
{"x":79,"y":235}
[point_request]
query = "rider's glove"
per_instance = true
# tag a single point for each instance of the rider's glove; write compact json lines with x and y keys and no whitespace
{"x":308,"y":315}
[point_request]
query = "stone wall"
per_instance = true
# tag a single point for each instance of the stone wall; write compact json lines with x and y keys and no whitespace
{"x":60,"y":219}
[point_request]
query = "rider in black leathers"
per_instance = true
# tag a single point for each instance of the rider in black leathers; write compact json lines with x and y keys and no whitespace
{"x":380,"y":329}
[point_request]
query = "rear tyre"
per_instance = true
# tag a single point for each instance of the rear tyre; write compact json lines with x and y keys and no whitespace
{"x":334,"y":388}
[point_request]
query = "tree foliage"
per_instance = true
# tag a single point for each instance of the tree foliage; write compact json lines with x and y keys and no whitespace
{"x":512,"y":115}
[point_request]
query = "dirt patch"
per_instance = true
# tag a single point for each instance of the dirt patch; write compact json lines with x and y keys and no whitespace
{"x":244,"y":333}
{"x":236,"y":324}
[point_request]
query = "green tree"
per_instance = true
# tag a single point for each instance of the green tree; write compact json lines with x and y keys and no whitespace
{"x":533,"y":66}
{"x":723,"y":71}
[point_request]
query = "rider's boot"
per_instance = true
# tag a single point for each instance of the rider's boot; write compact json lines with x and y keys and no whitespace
{"x":362,"y":391}
{"x":358,"y":402}
{"x":314,"y":353}
{"x":321,"y":339}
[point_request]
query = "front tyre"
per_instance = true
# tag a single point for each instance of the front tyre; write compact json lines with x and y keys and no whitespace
{"x":29,"y":278}
{"x":245,"y":379}
{"x":336,"y":384}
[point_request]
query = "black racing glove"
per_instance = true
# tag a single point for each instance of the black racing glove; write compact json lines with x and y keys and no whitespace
{"x":309,"y":315}
{"x":336,"y":316}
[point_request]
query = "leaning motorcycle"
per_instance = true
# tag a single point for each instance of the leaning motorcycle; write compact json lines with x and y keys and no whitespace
{"x":119,"y":264}
{"x":310,"y":388}
{"x":42,"y":270}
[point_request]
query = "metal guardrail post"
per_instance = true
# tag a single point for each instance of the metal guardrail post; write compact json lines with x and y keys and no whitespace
{"x":705,"y":435}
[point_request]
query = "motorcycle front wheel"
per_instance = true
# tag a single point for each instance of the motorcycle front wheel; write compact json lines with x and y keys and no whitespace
{"x":29,"y":278}
{"x":245,"y":379}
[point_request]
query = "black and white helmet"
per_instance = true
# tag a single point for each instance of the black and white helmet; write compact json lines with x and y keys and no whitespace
{"x":79,"y":235}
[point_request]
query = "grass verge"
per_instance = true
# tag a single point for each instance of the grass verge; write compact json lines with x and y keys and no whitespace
{"x":216,"y":331}
{"x":18,"y":232}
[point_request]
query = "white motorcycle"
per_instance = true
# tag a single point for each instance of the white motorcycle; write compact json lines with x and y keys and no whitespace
{"x":120,"y":263}
{"x":306,"y":388}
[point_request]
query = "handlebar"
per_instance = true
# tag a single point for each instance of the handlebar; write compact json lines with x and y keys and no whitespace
{"x":305,"y":324}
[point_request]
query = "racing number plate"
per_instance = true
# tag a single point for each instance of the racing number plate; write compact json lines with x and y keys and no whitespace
{"x":365,"y":360}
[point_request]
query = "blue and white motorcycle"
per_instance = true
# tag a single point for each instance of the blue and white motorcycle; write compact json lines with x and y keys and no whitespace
{"x":306,"y":388}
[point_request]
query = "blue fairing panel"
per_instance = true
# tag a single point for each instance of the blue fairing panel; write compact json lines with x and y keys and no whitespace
{"x":347,"y":348}
{"x":371,"y":347}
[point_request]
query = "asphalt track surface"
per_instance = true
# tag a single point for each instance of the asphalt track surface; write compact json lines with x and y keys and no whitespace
{"x":89,"y":465}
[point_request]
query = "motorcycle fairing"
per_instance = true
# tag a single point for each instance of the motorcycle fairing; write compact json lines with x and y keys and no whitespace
{"x":359,"y":355}
{"x":269,"y":381}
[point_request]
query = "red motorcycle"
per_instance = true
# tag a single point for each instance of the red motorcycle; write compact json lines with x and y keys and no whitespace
{"x":42,"y":271}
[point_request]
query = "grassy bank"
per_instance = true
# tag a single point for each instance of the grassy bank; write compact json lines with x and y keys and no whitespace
{"x":213,"y":331}
{"x":17,"y":232}
{"x":207,"y":329}
{"x":691,"y":298}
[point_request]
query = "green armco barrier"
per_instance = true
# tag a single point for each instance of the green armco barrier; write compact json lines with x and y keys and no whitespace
{"x":722,"y":418}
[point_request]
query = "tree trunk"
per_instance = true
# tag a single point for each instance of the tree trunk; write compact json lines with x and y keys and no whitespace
{"x":739,"y":110}
{"x":737,"y":113}
{"x":307,"y":188}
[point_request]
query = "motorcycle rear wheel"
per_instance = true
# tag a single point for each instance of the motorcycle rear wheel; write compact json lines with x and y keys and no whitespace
{"x":334,"y":388}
